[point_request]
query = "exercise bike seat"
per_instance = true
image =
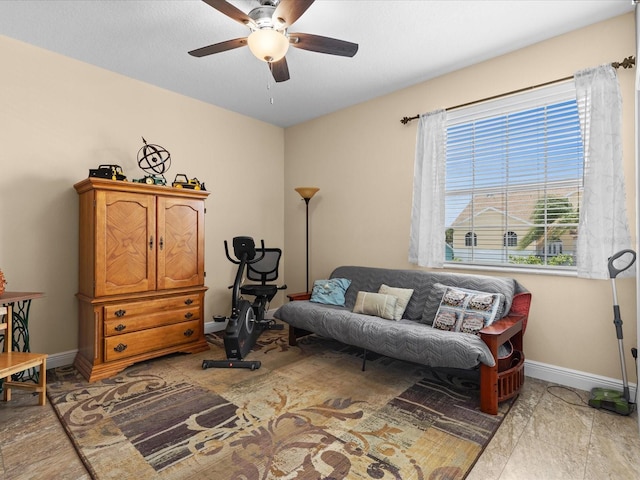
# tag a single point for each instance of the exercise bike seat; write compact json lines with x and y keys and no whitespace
{"x":264,"y":270}
{"x":259,"y":290}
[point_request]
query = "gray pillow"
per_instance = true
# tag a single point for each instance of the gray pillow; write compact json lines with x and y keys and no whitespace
{"x":432,"y":304}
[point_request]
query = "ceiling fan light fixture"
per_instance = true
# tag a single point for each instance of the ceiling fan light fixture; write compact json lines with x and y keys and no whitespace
{"x":268,"y":45}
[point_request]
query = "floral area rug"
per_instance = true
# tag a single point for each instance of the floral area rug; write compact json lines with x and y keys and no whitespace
{"x":309,"y":412}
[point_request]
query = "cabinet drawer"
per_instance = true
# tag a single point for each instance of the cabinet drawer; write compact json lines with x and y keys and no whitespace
{"x":131,"y":344}
{"x":134,"y":323}
{"x":129,"y":309}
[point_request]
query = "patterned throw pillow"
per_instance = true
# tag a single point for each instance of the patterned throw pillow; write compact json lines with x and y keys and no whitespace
{"x":403,"y":295}
{"x":377,"y":304}
{"x":467,"y":311}
{"x":330,"y":292}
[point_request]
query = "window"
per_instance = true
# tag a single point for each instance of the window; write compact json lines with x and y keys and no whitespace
{"x":471,"y":240}
{"x":510,"y":239}
{"x":515,"y":165}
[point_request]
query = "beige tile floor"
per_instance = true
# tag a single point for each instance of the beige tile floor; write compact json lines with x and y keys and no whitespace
{"x":543,"y":438}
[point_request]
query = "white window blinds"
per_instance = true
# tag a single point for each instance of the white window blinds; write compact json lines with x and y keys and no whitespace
{"x":514,"y":180}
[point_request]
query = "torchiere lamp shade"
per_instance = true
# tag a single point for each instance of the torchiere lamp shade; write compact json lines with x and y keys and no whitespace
{"x":307,"y":192}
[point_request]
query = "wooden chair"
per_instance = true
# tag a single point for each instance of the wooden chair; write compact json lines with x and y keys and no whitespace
{"x":14,"y":362}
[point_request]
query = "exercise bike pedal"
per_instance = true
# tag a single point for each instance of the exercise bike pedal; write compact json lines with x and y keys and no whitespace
{"x":250,"y":364}
{"x":269,"y":325}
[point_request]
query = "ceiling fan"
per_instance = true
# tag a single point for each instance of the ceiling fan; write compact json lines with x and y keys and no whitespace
{"x":269,"y":39}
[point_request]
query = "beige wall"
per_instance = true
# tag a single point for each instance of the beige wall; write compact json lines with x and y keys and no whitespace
{"x":362,"y":160}
{"x":60,"y":117}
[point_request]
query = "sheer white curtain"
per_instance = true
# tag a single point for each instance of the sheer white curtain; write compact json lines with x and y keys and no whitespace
{"x":603,"y":228}
{"x":427,"y":242}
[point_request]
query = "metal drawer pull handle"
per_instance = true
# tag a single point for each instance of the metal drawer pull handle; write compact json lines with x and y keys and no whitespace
{"x":121,"y":347}
{"x":120,"y":327}
{"x":188,"y":301}
{"x":188,"y":315}
{"x":120,"y":313}
{"x":188,"y":333}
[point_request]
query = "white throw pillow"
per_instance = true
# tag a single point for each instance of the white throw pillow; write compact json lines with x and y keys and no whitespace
{"x":403,"y":295}
{"x":370,"y":303}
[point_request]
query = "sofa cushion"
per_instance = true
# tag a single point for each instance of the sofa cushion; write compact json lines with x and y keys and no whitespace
{"x":467,"y":311}
{"x":378,"y":304}
{"x":405,"y":339}
{"x":403,"y":295}
{"x":330,"y":292}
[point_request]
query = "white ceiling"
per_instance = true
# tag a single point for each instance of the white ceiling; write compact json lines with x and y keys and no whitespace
{"x":402,"y":43}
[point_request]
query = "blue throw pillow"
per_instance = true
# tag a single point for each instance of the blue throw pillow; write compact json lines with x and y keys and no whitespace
{"x":330,"y":292}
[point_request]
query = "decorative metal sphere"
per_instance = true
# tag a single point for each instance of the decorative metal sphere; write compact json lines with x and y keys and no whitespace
{"x":153,"y":159}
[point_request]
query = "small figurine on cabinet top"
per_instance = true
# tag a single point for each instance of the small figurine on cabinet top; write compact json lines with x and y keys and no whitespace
{"x":114,"y":172}
{"x":181,"y":181}
{"x":154,"y":159}
{"x":152,"y":180}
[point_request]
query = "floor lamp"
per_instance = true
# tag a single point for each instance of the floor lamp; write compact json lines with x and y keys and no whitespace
{"x":307,"y":193}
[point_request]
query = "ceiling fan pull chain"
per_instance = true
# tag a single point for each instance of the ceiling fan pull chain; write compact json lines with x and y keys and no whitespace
{"x":270,"y":93}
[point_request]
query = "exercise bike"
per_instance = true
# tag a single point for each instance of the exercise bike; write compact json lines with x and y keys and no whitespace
{"x":247,"y":321}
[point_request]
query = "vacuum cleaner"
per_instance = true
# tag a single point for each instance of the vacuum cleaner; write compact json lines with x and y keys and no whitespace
{"x":610,"y":399}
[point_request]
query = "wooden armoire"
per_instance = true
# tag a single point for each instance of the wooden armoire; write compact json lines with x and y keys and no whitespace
{"x":141,"y":284}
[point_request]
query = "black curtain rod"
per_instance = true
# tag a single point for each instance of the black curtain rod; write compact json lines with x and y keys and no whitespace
{"x":628,"y":62}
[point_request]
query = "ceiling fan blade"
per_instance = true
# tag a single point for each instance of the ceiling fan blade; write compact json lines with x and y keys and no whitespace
{"x":219,"y":47}
{"x":230,"y":11}
{"x":316,"y":43}
{"x":288,"y":11}
{"x":280,"y":70}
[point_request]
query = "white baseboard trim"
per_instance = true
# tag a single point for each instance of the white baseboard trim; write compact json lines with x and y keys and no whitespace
{"x":210,"y":327}
{"x":573,"y":378}
{"x":61,"y":359}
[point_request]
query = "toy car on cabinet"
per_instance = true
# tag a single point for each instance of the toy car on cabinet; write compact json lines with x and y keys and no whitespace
{"x":114,"y":172}
{"x":182,"y":181}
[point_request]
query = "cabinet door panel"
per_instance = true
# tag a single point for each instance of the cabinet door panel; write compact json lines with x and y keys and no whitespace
{"x":125,"y":243}
{"x":181,"y":247}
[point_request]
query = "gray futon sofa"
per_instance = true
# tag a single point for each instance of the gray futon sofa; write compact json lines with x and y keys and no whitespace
{"x":413,"y":337}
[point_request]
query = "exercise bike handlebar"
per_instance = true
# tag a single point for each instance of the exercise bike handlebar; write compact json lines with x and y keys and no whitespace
{"x":613,"y":271}
{"x":242,"y":261}
{"x":239,"y":260}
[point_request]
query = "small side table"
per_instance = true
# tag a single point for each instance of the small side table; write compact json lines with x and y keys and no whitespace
{"x":18,"y":304}
{"x":294,"y":332}
{"x":299,"y":296}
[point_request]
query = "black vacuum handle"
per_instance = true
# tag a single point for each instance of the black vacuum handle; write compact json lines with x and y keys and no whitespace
{"x":613,"y":271}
